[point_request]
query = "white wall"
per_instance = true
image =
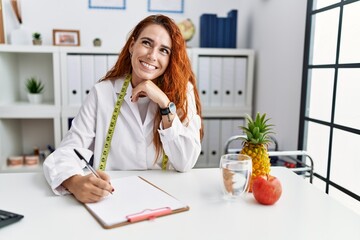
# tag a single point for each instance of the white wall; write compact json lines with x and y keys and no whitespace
{"x":274,"y":28}
{"x":278,"y":31}
{"x":112,"y":26}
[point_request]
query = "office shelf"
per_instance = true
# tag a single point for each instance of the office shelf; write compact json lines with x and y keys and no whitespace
{"x":225,"y":84}
{"x":24,"y":126}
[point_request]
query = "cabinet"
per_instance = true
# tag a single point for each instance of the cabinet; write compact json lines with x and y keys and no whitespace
{"x":24,"y":126}
{"x":225,"y":82}
{"x":81,"y":68}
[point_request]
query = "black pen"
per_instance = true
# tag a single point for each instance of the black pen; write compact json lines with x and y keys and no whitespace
{"x":88,"y":166}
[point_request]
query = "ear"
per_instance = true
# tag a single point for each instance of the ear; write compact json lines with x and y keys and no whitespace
{"x":131,"y":47}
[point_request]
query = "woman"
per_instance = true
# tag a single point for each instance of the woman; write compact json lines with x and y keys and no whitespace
{"x":144,"y":114}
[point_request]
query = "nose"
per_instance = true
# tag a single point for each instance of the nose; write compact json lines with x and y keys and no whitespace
{"x":151,"y":55}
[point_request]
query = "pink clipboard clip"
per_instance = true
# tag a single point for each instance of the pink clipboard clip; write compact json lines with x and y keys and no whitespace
{"x":148,"y":214}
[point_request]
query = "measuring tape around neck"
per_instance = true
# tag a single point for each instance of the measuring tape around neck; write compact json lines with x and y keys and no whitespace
{"x":111,"y":128}
{"x":110,"y":132}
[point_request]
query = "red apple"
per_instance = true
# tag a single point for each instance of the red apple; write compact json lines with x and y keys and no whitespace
{"x":266,"y":189}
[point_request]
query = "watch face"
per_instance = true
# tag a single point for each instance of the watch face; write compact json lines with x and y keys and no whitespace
{"x":172,"y":108}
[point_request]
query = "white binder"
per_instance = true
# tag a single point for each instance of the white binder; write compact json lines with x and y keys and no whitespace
{"x":214,"y":150}
{"x":204,"y":80}
{"x":240,"y":80}
{"x":236,"y":123}
{"x":226,"y":132}
{"x":215,"y":81}
{"x":87,"y":75}
{"x":74,"y":79}
{"x":100,"y":67}
{"x":111,"y":60}
{"x":204,"y":154}
{"x":228,"y":82}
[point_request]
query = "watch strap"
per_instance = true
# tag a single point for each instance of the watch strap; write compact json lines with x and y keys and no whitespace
{"x":165,"y":111}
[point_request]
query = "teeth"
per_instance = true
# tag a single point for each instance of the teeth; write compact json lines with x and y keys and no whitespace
{"x":151,"y":67}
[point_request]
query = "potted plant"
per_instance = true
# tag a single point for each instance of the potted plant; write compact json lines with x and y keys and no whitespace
{"x":37,"y":38}
{"x":35,"y":88}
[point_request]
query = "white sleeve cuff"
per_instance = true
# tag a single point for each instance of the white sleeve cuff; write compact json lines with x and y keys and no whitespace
{"x":167,"y":135}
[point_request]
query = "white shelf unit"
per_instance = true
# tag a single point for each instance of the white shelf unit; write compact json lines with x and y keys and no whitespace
{"x":87,"y":67}
{"x":224,"y":68}
{"x":24,"y":126}
{"x":225,"y":84}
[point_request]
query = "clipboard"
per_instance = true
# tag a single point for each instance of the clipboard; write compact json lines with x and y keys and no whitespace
{"x":135,"y":199}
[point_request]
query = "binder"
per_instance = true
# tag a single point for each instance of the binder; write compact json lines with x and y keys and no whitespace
{"x":213,"y":31}
{"x":204,"y":30}
{"x":236,"y":123}
{"x":240,"y":80}
{"x":226,"y":132}
{"x":214,"y":143}
{"x":100,"y":67}
{"x":134,"y":200}
{"x":215,"y":81}
{"x":204,"y":80}
{"x":232,"y":16}
{"x":208,"y":30}
{"x":111,"y":60}
{"x":204,"y":154}
{"x":218,"y":32}
{"x":221,"y":31}
{"x":87,"y":74}
{"x":228,"y":82}
{"x":227,"y":32}
{"x":74,"y":79}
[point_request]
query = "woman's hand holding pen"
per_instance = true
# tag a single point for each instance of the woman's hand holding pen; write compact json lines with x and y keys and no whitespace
{"x":89,"y":188}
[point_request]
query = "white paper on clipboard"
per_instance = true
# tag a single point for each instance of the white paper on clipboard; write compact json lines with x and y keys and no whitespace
{"x":132,"y":195}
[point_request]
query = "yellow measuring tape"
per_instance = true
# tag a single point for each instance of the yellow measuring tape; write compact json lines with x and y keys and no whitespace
{"x":111,"y":128}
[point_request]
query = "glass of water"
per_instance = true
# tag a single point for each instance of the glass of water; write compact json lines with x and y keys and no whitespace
{"x":236,"y":172}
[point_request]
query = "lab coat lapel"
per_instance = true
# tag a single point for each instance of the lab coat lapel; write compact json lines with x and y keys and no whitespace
{"x":150,"y":115}
{"x":153,"y":109}
{"x":133,"y":106}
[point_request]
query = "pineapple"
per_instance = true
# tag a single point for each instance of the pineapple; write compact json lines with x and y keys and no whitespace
{"x":256,"y":143}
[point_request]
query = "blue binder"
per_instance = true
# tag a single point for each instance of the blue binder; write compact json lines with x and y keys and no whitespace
{"x":218,"y":32}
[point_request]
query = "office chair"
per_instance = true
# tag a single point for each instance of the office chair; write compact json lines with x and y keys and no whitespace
{"x":295,"y":160}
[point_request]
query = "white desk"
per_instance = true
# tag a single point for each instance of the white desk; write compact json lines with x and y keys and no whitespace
{"x":303,"y":212}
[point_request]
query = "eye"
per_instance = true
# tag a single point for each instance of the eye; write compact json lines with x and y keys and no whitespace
{"x":165,"y":51}
{"x":146,"y":42}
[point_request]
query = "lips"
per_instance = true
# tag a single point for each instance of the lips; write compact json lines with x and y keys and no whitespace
{"x":148,"y":66}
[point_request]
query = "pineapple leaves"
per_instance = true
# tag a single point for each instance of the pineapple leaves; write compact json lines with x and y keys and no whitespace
{"x":257,"y":131}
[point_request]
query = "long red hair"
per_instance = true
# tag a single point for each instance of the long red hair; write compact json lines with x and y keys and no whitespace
{"x":176,"y":76}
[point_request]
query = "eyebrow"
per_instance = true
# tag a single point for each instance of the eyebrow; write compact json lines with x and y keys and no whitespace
{"x":152,"y":41}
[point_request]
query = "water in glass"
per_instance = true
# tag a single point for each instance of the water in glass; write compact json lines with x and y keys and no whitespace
{"x":236,"y":171}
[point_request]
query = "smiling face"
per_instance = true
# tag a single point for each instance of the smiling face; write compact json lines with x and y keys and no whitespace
{"x":150,"y":53}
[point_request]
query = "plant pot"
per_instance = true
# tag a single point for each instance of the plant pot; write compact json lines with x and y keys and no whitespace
{"x":37,"y":41}
{"x":35,"y":98}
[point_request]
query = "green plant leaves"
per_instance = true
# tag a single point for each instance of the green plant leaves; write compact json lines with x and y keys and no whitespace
{"x":258,"y":130}
{"x":34,"y":86}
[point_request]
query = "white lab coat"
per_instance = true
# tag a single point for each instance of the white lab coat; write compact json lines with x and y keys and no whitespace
{"x":131,"y":146}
